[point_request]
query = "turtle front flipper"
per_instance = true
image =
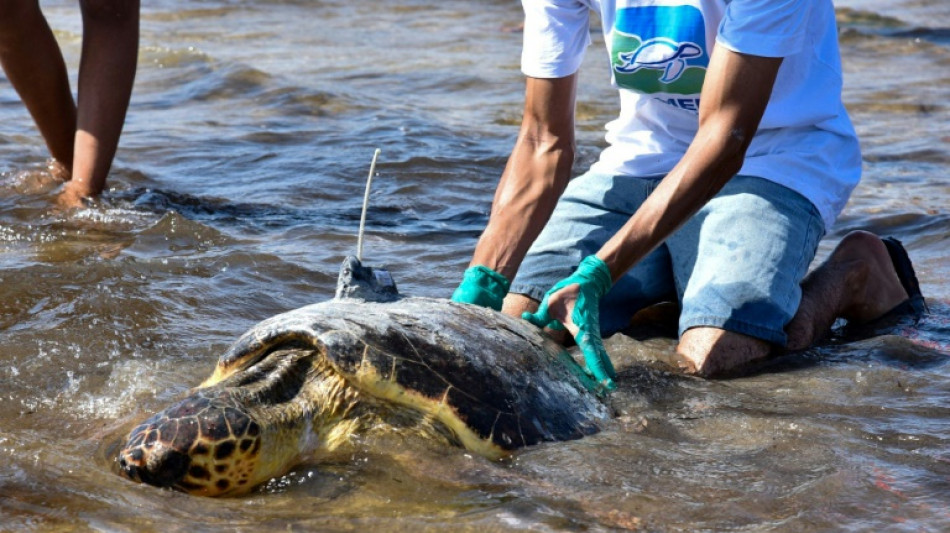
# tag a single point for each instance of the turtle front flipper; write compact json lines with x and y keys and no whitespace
{"x":256,"y":344}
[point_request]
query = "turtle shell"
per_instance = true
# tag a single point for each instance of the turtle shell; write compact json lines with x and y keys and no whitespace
{"x":495,"y":381}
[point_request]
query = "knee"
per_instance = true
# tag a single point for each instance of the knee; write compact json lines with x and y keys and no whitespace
{"x":713,"y":352}
{"x":112,"y":12}
{"x":516,"y":304}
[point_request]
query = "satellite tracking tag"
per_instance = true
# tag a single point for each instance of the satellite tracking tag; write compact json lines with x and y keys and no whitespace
{"x":364,"y":282}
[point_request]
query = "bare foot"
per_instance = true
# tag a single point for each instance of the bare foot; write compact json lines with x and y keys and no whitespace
{"x":71,"y":197}
{"x":857,"y":282}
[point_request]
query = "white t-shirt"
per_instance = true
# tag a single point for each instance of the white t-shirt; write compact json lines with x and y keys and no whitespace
{"x":658,"y":54}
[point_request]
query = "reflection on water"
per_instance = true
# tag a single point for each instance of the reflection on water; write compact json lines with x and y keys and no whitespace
{"x":236,"y":193}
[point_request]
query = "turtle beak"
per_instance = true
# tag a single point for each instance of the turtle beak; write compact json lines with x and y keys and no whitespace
{"x":160,"y":466}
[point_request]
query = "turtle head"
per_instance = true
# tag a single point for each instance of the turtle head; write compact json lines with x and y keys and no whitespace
{"x":365,"y":283}
{"x":253,"y":425}
{"x":206,"y":444}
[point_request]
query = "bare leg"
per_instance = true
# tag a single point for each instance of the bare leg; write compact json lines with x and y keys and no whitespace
{"x":106,"y":74}
{"x":708,"y":351}
{"x":857,"y":283}
{"x":34,"y":64}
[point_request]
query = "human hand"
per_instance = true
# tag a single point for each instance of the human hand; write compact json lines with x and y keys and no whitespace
{"x":482,"y":286}
{"x":574,"y":303}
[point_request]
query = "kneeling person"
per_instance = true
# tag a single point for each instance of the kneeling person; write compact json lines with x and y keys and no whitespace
{"x":723,"y":171}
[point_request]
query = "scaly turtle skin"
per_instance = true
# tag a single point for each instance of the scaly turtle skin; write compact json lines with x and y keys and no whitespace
{"x":301,"y":384}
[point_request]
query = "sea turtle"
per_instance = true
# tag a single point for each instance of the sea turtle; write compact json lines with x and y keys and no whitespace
{"x":659,"y":54}
{"x":304,"y":382}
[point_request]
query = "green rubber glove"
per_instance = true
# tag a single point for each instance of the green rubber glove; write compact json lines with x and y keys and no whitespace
{"x":594,"y":279}
{"x":482,"y":286}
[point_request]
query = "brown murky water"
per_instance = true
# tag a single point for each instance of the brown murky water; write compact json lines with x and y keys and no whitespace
{"x":236,"y":193}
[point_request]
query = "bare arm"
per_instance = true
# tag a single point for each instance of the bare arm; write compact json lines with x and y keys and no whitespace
{"x":534,"y":178}
{"x":734,"y":96}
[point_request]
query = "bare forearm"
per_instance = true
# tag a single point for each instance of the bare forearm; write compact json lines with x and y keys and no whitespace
{"x":536,"y":174}
{"x":710,"y":162}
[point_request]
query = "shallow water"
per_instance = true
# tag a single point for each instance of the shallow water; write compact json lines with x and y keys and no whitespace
{"x":236,"y":193}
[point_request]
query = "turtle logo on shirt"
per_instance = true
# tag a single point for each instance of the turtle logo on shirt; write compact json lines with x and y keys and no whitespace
{"x":660,"y":50}
{"x":659,"y":54}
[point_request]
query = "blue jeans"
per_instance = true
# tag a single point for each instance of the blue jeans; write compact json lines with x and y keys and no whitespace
{"x":736,"y":265}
